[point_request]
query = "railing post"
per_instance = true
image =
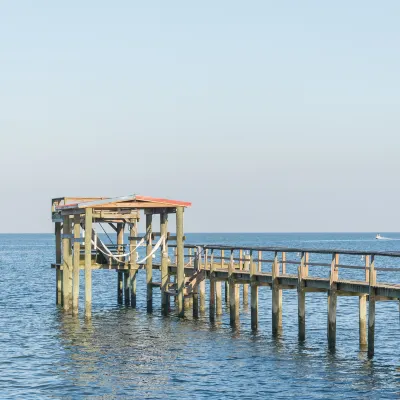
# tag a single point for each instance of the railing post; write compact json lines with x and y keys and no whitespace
{"x":164,"y":265}
{"x":371,"y":308}
{"x":202,"y":285}
{"x":332,"y":302}
{"x":76,"y":263}
{"x":363,"y":310}
{"x":246,"y":267}
{"x":301,"y":297}
{"x":276,"y":297}
{"x":233,"y":298}
{"x":254,"y":293}
{"x":212,"y":286}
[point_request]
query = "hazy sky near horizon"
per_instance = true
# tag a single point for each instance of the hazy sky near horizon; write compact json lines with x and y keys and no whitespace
{"x":267,"y":115}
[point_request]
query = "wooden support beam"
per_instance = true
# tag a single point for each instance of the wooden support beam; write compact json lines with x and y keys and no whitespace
{"x":58,"y":261}
{"x":283,"y":263}
{"x":164,"y":266}
{"x":363,"y":311}
{"x":88,"y":262}
{"x":276,"y":298}
{"x":149,"y":264}
{"x":202,"y":285}
{"x":180,"y":276}
{"x":120,"y":241}
{"x":195,"y":297}
{"x":76,"y":264}
{"x":332,"y":302}
{"x":67,"y":265}
{"x":133,"y":267}
{"x":212,"y":287}
{"x":301,"y":298}
{"x":254,"y":294}
{"x":233,"y":294}
{"x":246,"y":267}
{"x":371,"y":308}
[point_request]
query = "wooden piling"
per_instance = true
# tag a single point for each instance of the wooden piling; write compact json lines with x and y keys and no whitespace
{"x":88,"y":262}
{"x":195,"y":296}
{"x":76,"y":263}
{"x":226,"y":282}
{"x":67,"y":264}
{"x":133,"y":267}
{"x":57,"y":231}
{"x":283,"y":263}
{"x":276,"y":297}
{"x":212,"y":287}
{"x":332,"y":302}
{"x":363,"y":310}
{"x":371,"y":308}
{"x":180,"y":261}
{"x":301,"y":297}
{"x":164,"y":265}
{"x":120,"y":241}
{"x":254,"y":293}
{"x":246,"y":267}
{"x":202,"y":285}
{"x":149,"y":263}
{"x":233,"y":294}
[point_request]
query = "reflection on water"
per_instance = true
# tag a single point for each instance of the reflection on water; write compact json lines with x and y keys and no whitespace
{"x":123,"y":352}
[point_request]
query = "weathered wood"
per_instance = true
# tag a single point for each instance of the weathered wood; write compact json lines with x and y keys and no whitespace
{"x":57,"y":231}
{"x":363,"y":310}
{"x":76,"y":264}
{"x":246,"y":267}
{"x":332,"y":302}
{"x":180,"y":260}
{"x":371,"y":308}
{"x":120,"y":241}
{"x":195,"y":296}
{"x":276,"y":297}
{"x":283,"y":263}
{"x":259,"y":261}
{"x":149,"y":263}
{"x":88,"y":262}
{"x":133,"y":267}
{"x":301,"y":298}
{"x":67,"y":265}
{"x":233,"y":295}
{"x":254,"y":294}
{"x":202,"y":286}
{"x":212,"y":287}
{"x":164,"y":266}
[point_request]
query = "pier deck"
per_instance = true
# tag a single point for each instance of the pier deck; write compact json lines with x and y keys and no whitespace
{"x":185,"y":272}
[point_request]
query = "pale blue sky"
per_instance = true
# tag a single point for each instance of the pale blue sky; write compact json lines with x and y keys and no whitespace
{"x":267,"y":115}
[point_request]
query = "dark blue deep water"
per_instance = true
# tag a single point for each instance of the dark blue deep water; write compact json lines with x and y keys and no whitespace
{"x":126,"y":353}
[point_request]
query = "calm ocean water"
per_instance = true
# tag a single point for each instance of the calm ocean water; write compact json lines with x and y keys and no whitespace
{"x":126,"y":353}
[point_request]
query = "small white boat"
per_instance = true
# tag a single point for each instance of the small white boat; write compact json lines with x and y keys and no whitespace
{"x":378,"y":236}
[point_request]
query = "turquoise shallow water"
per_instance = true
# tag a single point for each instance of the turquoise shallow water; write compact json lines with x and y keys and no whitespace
{"x":127,"y":353}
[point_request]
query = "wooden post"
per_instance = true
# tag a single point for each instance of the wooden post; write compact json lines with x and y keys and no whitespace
{"x":254,"y":293}
{"x":133,"y":267}
{"x":202,"y":285}
{"x":246,"y":267}
{"x":283,"y":263}
{"x":233,"y":294}
{"x":164,"y":265}
{"x":259,"y":262}
{"x":67,"y":264}
{"x":180,"y":261}
{"x":76,"y":263}
{"x":88,"y":262}
{"x":332,"y":302}
{"x":371,"y":308}
{"x":301,"y":298}
{"x":149,"y":263}
{"x":58,"y":261}
{"x":212,"y":286}
{"x":195,"y":296}
{"x":276,"y":297}
{"x":363,"y":310}
{"x":120,"y":241}
{"x":226,"y":282}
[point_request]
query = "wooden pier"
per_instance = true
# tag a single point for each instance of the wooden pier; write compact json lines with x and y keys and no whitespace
{"x":185,"y":269}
